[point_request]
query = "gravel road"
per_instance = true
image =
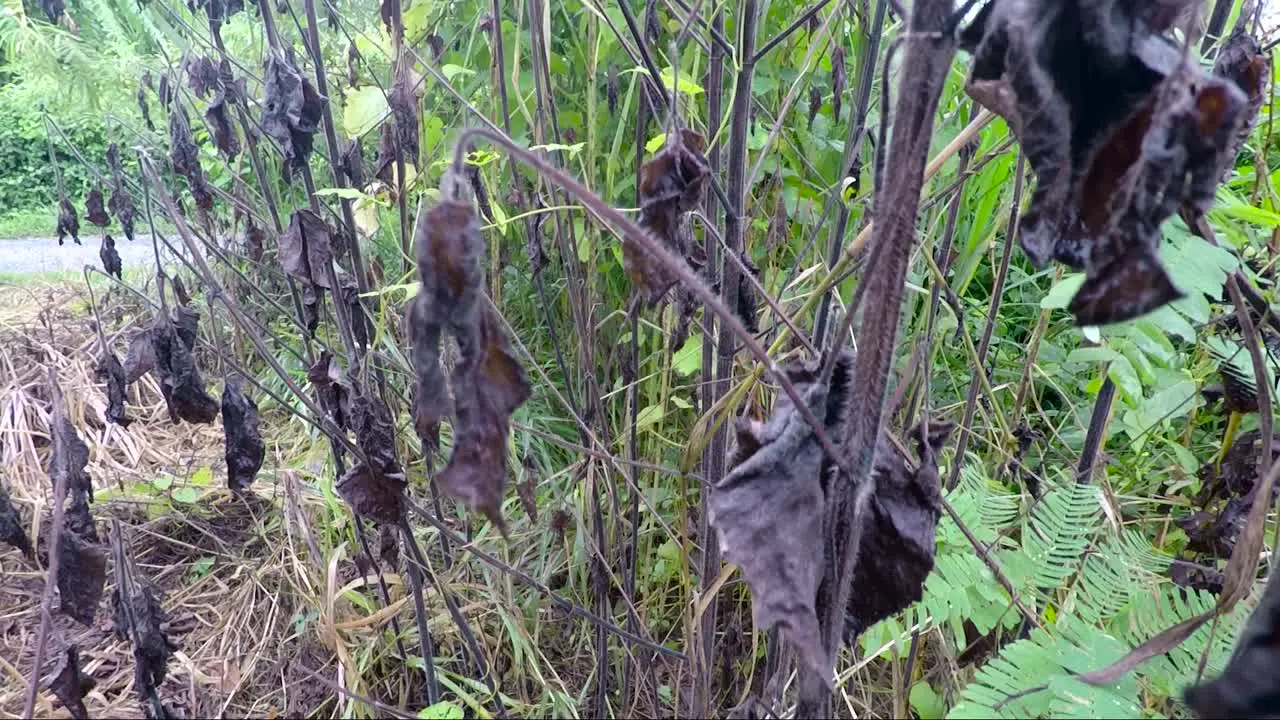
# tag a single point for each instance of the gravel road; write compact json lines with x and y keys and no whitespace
{"x":37,"y":255}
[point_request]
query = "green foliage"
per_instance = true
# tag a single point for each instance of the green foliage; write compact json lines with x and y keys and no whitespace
{"x":26,"y":178}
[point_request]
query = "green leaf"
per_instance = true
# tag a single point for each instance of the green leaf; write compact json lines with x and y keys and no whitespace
{"x":186,"y":495}
{"x":688,"y":359}
{"x":685,"y":85}
{"x":441,"y":711}
{"x":1091,"y":354}
{"x":1125,"y":377}
{"x":201,"y":567}
{"x":162,"y":482}
{"x":655,"y":144}
{"x":1059,"y":296}
{"x":572,"y":150}
{"x":363,"y":109}
{"x":648,"y":416}
{"x":681,"y":402}
{"x":926,"y":702}
{"x":344,"y":193}
{"x":203,"y":477}
{"x":452,"y":71}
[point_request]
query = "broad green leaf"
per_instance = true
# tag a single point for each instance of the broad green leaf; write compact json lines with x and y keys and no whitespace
{"x":685,"y":85}
{"x":1059,"y":296}
{"x":186,"y":495}
{"x":1122,"y":373}
{"x":572,"y":150}
{"x":926,"y":702}
{"x":655,"y":144}
{"x":1091,"y":354}
{"x":203,"y":476}
{"x":441,"y":711}
{"x":1169,"y":403}
{"x":688,"y":359}
{"x":162,"y":482}
{"x":362,"y":110}
{"x":648,"y":416}
{"x":452,"y":71}
{"x":344,"y":193}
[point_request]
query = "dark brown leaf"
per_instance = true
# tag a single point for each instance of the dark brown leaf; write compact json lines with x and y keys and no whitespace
{"x":1247,"y":687}
{"x":291,"y":111}
{"x":70,"y":684}
{"x":68,"y":224}
{"x":179,"y":378}
{"x":437,"y":45}
{"x":202,"y":75}
{"x":244,"y":447}
{"x":386,"y":162}
{"x":184,"y":299}
{"x":185,"y":157}
{"x":186,"y":320}
{"x":111,"y":263}
{"x":305,"y":250}
{"x":839,"y":78}
{"x":82,"y":573}
{"x":334,"y":388}
{"x":671,"y":184}
{"x":353,"y":75}
{"x":374,"y":487}
{"x":353,"y":163}
{"x":121,"y":202}
{"x":109,"y":369}
{"x":143,"y":622}
{"x":527,"y":488}
{"x":254,"y":241}
{"x":224,"y":136}
{"x":611,"y":90}
{"x":1195,"y":577}
{"x":431,"y":400}
{"x":11,"y":528}
{"x":144,"y":109}
{"x":1242,"y":62}
{"x":94,"y":211}
{"x":69,"y":458}
{"x":141,"y":358}
{"x":403,"y":98}
{"x":815,"y":103}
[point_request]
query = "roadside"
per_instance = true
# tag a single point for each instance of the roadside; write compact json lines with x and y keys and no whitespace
{"x":43,"y":255}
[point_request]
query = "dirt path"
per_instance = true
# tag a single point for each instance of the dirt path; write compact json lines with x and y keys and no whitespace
{"x":38,"y":255}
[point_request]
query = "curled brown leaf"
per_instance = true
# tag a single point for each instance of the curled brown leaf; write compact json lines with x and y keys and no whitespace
{"x":94,"y":210}
{"x":243,"y":438}
{"x":70,"y":684}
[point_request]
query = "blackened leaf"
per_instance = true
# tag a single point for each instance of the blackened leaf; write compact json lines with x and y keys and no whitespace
{"x":186,"y":320}
{"x":180,"y":380}
{"x":121,"y":202}
{"x":305,"y":250}
{"x":141,"y":357}
{"x":145,"y":109}
{"x":527,"y":488}
{"x":53,"y":9}
{"x":768,"y":513}
{"x":431,"y":401}
{"x":1242,"y":62}
{"x":386,"y":162}
{"x":311,"y":308}
{"x":82,"y":573}
{"x":437,"y":46}
{"x":373,"y":494}
{"x":1216,"y":535}
{"x":202,"y":75}
{"x":291,"y":110}
{"x":839,"y":78}
{"x":1248,"y":685}
{"x":224,"y":136}
{"x":611,"y":90}
{"x":403,"y":99}
{"x":69,"y":458}
{"x":68,"y":224}
{"x":815,"y":103}
{"x":244,"y":447}
{"x":110,"y":258}
{"x":671,"y":184}
{"x":70,"y":684}
{"x":353,"y":163}
{"x":335,"y":390}
{"x":489,"y":385}
{"x":353,"y":75}
{"x":480,"y":191}
{"x":94,"y":210}
{"x":747,"y":299}
{"x":254,"y":241}
{"x":185,"y":157}
{"x":11,"y":529}
{"x":184,"y":299}
{"x":1195,"y":577}
{"x":895,"y":554}
{"x":163,"y":91}
{"x":152,"y":646}
{"x":109,"y":369}
{"x":1131,"y":286}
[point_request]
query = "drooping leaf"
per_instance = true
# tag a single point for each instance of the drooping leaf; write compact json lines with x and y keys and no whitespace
{"x":431,"y":401}
{"x":404,"y":96}
{"x":185,"y":157}
{"x":70,"y":684}
{"x":186,"y":320}
{"x":144,"y":109}
{"x":11,"y":529}
{"x":111,"y":263}
{"x":839,"y":77}
{"x":141,"y":619}
{"x":671,"y":184}
{"x":335,"y":391}
{"x":121,"y":202}
{"x":94,"y":211}
{"x":141,"y":358}
{"x":291,"y":111}
{"x":224,"y":135}
{"x":244,"y":447}
{"x":68,"y":462}
{"x":374,"y":486}
{"x":305,"y":250}
{"x":109,"y":369}
{"x":202,"y":75}
{"x":82,"y":568}
{"x":68,"y":224}
{"x":180,"y":380}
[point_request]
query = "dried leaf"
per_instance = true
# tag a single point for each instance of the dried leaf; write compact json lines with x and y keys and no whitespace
{"x":291,"y":111}
{"x":431,"y":399}
{"x":224,"y":136}
{"x":403,"y":99}
{"x":386,"y":162}
{"x":1242,"y":61}
{"x":611,"y":90}
{"x":480,"y":191}
{"x":185,"y":157}
{"x":144,"y":109}
{"x":53,"y":9}
{"x":121,"y":202}
{"x":305,"y":250}
{"x":1247,"y":686}
{"x":334,"y":388}
{"x":254,"y":240}
{"x":353,"y":76}
{"x":184,"y":299}
{"x":152,"y":646}
{"x":71,"y":685}
{"x":180,"y":380}
{"x":202,"y":75}
{"x":374,"y":487}
{"x":839,"y":77}
{"x":768,"y":513}
{"x":94,"y":211}
{"x":109,"y":369}
{"x":1195,"y":577}
{"x":111,"y":263}
{"x":164,"y":92}
{"x":68,"y":460}
{"x":437,"y":45}
{"x":82,"y":573}
{"x":671,"y":184}
{"x":527,"y":488}
{"x":11,"y":528}
{"x":244,"y":447}
{"x":815,"y":103}
{"x":353,"y":163}
{"x":67,"y":222}
{"x":141,"y":358}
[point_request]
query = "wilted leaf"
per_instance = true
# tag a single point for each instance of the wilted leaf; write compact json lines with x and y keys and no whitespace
{"x":121,"y":202}
{"x":374,"y":487}
{"x":224,"y":136}
{"x":1195,"y":577}
{"x":68,"y":225}
{"x":180,"y":380}
{"x":186,"y":320}
{"x":68,"y":460}
{"x":141,"y":358}
{"x":305,"y":250}
{"x":144,"y":109}
{"x":185,"y":157}
{"x":109,"y":369}
{"x":254,"y":239}
{"x":527,"y":488}
{"x":838,"y":79}
{"x":110,"y":258}
{"x":244,"y":447}
{"x":431,"y":399}
{"x":404,"y":96}
{"x":671,"y":184}
{"x":82,"y":572}
{"x":71,"y":685}
{"x":11,"y":529}
{"x":334,"y":389}
{"x":94,"y":211}
{"x":1247,"y":687}
{"x":202,"y":75}
{"x":291,"y":111}
{"x":143,"y":621}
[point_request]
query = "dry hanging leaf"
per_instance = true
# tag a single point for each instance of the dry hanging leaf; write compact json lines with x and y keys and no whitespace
{"x":180,"y":380}
{"x":838,"y":79}
{"x":163,"y":91}
{"x":671,"y":184}
{"x":431,"y":401}
{"x":70,"y":684}
{"x":224,"y":136}
{"x":144,"y":109}
{"x":437,"y":45}
{"x":82,"y":572}
{"x":111,"y":263}
{"x":611,"y":90}
{"x":1119,"y":138}
{"x":305,"y":250}
{"x":1242,"y":62}
{"x":186,"y":320}
{"x":202,"y":75}
{"x":334,"y":388}
{"x":1247,"y":687}
{"x":11,"y":529}
{"x":815,"y":103}
{"x":768,"y":514}
{"x":353,"y":76}
{"x":121,"y":202}
{"x":109,"y":369}
{"x":895,"y":554}
{"x":374,"y":487}
{"x":244,"y":447}
{"x":254,"y":241}
{"x":94,"y":211}
{"x":143,"y":622}
{"x":403,"y":98}
{"x":480,"y":192}
{"x":291,"y":111}
{"x":67,"y":222}
{"x":68,"y":460}
{"x":184,"y":299}
{"x":141,"y":358}
{"x":527,"y":489}
{"x":185,"y":157}
{"x":1195,"y":577}
{"x":353,"y":163}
